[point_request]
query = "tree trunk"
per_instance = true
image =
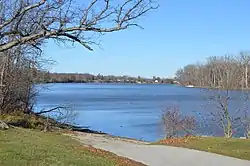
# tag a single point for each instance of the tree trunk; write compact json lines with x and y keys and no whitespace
{"x":229,"y":132}
{"x":2,"y":79}
{"x":229,"y":128}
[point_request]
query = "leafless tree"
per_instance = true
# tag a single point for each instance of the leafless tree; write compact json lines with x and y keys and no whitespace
{"x":245,"y":119}
{"x":31,"y":22}
{"x":17,"y":80}
{"x":245,"y":61}
{"x":206,"y":74}
{"x":226,"y":75}
{"x":26,"y":25}
{"x":246,"y":123}
{"x":220,"y":75}
{"x":175,"y":123}
{"x":62,"y":115}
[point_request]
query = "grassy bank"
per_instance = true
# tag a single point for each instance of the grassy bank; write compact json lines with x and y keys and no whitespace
{"x":25,"y":147}
{"x":238,"y":148}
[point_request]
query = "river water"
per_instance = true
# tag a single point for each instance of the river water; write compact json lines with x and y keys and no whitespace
{"x":130,"y":110}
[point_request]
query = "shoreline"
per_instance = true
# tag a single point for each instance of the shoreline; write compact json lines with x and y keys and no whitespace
{"x":83,"y":130}
{"x":55,"y":125}
{"x":105,"y":83}
{"x":214,"y":88}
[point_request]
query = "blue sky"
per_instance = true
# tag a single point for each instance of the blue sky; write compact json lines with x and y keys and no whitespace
{"x":178,"y":33}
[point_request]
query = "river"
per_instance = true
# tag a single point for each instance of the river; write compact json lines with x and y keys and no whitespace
{"x":129,"y":110}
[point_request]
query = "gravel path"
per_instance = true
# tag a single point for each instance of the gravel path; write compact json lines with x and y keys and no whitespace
{"x":157,"y":155}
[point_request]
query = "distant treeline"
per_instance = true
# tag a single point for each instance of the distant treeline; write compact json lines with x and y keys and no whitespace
{"x":90,"y":78}
{"x":226,"y":72}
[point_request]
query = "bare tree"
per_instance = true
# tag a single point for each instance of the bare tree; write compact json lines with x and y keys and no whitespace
{"x":175,"y":123}
{"x":245,"y":60}
{"x":31,"y":22}
{"x":17,"y":92}
{"x":25,"y":25}
{"x":226,"y":77}
{"x":62,"y":115}
{"x":3,"y":64}
{"x":220,"y":76}
{"x":246,"y":123}
{"x":245,"y":119}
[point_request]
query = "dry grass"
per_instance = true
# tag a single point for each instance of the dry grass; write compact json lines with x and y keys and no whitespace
{"x":238,"y":148}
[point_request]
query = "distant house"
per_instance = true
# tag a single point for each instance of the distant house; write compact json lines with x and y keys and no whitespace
{"x":176,"y":82}
{"x":138,"y":82}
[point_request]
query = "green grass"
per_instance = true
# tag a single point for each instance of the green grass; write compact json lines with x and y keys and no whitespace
{"x":238,"y":148}
{"x":25,"y":147}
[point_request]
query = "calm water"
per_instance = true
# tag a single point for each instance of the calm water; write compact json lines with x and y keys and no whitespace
{"x":128,"y":110}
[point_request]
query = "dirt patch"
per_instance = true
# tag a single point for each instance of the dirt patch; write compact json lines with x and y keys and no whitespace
{"x":177,"y":141}
{"x":95,"y":139}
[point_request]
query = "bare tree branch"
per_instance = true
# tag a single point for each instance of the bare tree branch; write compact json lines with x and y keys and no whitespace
{"x":63,"y":18}
{"x":50,"y":110}
{"x":20,"y":12}
{"x":220,"y":77}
